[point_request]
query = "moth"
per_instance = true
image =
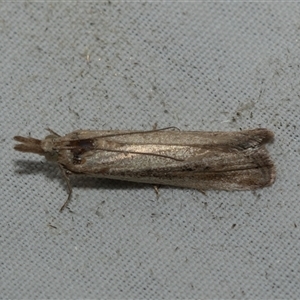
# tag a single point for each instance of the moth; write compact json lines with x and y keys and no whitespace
{"x":201,"y":160}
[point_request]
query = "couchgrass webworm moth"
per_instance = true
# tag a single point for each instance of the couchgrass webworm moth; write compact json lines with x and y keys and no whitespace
{"x":200,"y":160}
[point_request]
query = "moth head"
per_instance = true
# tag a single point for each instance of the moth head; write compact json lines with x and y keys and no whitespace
{"x":42,"y":147}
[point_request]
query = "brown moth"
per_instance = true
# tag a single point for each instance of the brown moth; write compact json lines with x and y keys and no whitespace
{"x":201,"y":160}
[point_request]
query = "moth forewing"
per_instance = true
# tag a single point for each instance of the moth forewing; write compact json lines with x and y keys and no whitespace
{"x":190,"y":159}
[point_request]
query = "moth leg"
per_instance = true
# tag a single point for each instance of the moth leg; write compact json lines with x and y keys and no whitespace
{"x":53,"y":132}
{"x":156,"y":189}
{"x":202,"y":192}
{"x":69,"y":187}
